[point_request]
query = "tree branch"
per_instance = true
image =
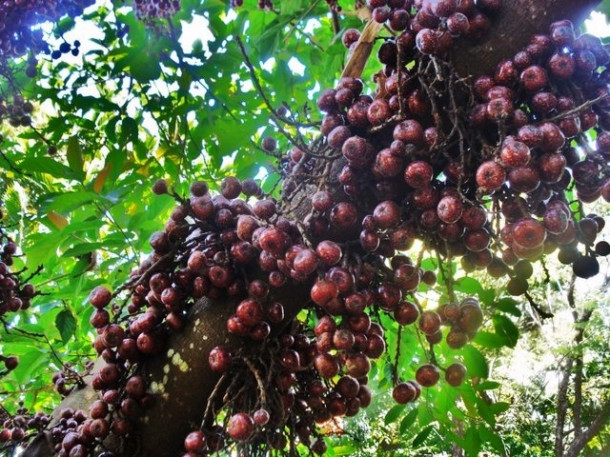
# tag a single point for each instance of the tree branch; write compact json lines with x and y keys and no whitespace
{"x":600,"y":421}
{"x":577,"y":406}
{"x":562,"y":407}
{"x":362,"y":50}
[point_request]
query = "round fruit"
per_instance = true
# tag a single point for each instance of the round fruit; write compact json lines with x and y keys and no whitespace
{"x":220,"y":359}
{"x":455,"y":374}
{"x":404,"y":393}
{"x":427,"y":375}
{"x":240,"y":427}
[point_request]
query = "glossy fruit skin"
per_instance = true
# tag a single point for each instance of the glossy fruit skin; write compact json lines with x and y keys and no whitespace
{"x":240,"y":427}
{"x":427,"y":375}
{"x":404,"y":393}
{"x":490,"y":176}
{"x":408,"y":185}
{"x":220,"y":359}
{"x":455,"y":374}
{"x":195,"y":442}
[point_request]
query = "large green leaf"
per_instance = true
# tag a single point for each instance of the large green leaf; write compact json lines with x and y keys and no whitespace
{"x":47,"y":166}
{"x":475,"y":362}
{"x":422,"y":436}
{"x":506,"y":329}
{"x":394,"y":413}
{"x":66,"y":324}
{"x":75,"y":158}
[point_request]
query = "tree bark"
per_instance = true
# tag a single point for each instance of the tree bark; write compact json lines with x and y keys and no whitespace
{"x":600,"y":421}
{"x":562,"y":407}
{"x":181,"y":378}
{"x":512,"y":29}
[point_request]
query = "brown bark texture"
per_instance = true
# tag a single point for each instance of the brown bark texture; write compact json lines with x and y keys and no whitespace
{"x":181,"y":378}
{"x":512,"y":29}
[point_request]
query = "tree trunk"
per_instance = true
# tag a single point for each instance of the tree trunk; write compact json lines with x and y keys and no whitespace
{"x":512,"y":29}
{"x":181,"y":378}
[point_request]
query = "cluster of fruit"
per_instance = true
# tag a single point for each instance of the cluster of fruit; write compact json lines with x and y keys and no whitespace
{"x":74,"y":432}
{"x":15,"y":428}
{"x":316,"y":372}
{"x":18,"y":35}
{"x":18,"y":112}
{"x":320,"y":374}
{"x":15,"y":292}
{"x":435,"y":23}
{"x":147,"y":10}
{"x":483,"y":172}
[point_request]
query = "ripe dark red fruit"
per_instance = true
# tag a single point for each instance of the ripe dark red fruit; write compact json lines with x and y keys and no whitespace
{"x":515,"y":154}
{"x":220,"y":359}
{"x":100,"y":297}
{"x":350,"y":36}
{"x":406,"y":313}
{"x":517,"y":286}
{"x":455,"y":374}
{"x":240,"y":427}
{"x":319,"y":446}
{"x":323,"y":291}
{"x":529,"y":233}
{"x":585,"y":267}
{"x":329,"y":252}
{"x":358,"y":365}
{"x":343,"y":215}
{"x":11,"y":362}
{"x":404,"y":393}
{"x":261,"y":416}
{"x":429,"y":322}
{"x":326,"y":365}
{"x":419,"y":174}
{"x":160,"y":187}
{"x":449,"y":209}
{"x":195,"y":442}
{"x":386,"y":214}
{"x":490,"y":176}
{"x":427,"y":375}
{"x":456,"y":339}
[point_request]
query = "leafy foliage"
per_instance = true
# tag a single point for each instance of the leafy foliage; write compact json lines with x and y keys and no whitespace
{"x":140,"y":103}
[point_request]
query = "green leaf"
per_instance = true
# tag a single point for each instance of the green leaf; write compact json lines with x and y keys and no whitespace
{"x":82,"y":248}
{"x":75,"y":158}
{"x":475,"y":362}
{"x":347,"y":449}
{"x":66,"y":324}
{"x":489,"y":340}
{"x":129,"y":130}
{"x":289,"y":7}
{"x":143,"y":66}
{"x":488,"y":385}
{"x":407,"y":421}
{"x":47,"y":166}
{"x":421,"y":436}
{"x":269,"y":41}
{"x":472,"y":442}
{"x":468,"y":285}
{"x":508,"y":305}
{"x":487,"y":296}
{"x":29,"y":363}
{"x":485,"y":412}
{"x":68,"y":201}
{"x":499,"y":407}
{"x":65,"y":24}
{"x":487,"y":435}
{"x":394,"y":413}
{"x":506,"y":329}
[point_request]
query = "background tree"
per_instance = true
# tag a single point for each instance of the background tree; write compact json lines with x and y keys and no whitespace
{"x":92,"y":124}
